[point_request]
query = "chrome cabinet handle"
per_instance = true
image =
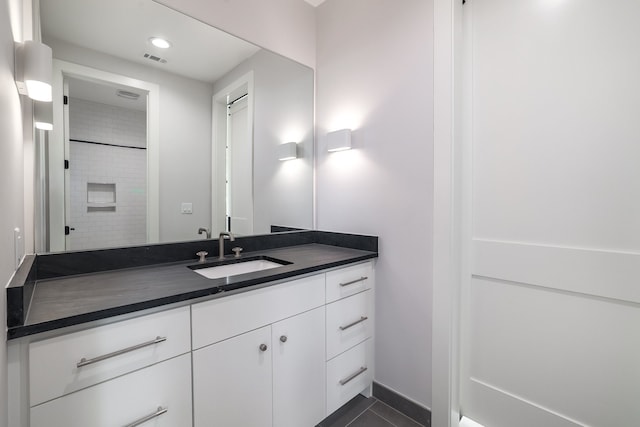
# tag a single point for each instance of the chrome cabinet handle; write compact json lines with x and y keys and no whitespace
{"x":84,"y":361}
{"x":149,"y":417}
{"x":283,"y":338}
{"x":263,"y":347}
{"x":345,"y":327}
{"x":354,"y":281}
{"x":352,"y":376}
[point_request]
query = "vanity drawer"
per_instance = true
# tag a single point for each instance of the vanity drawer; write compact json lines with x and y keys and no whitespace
{"x":349,"y":374}
{"x":349,"y":322}
{"x":222,"y":318}
{"x":109,"y":351}
{"x":348,"y":281}
{"x":126,"y":399}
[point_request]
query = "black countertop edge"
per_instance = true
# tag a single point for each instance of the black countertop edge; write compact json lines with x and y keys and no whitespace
{"x":23,"y":331}
{"x":19,"y":291}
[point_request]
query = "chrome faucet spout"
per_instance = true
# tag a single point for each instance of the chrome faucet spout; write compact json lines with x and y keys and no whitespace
{"x":206,"y":231}
{"x":221,"y":242}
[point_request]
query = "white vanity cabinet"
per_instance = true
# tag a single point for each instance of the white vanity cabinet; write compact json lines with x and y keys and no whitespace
{"x":274,"y":374}
{"x":283,"y":355}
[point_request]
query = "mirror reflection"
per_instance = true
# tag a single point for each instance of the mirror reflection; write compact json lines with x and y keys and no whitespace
{"x":166,"y":143}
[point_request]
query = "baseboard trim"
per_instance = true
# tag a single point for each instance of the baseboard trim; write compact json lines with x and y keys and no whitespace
{"x":402,"y":404}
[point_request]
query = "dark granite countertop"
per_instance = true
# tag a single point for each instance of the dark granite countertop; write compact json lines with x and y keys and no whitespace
{"x":75,"y":299}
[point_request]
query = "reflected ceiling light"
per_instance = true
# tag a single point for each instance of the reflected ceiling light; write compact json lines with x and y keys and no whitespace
{"x":339,"y":140}
{"x":35,"y":70}
{"x":160,"y":42}
{"x":43,"y":115}
{"x":288,"y":151}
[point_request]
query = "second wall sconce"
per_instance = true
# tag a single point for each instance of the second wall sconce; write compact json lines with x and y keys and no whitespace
{"x":339,"y":140}
{"x":288,"y":151}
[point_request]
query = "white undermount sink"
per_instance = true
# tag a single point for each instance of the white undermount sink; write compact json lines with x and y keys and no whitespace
{"x":234,"y":269}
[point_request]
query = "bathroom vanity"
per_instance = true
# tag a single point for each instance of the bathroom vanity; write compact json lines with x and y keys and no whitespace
{"x":285,"y":346}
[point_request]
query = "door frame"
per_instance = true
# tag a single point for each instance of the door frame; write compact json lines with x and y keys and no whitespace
{"x":448,"y":221}
{"x":57,"y":150}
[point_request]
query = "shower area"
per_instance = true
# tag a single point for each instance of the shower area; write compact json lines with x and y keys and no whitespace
{"x":106,"y":188}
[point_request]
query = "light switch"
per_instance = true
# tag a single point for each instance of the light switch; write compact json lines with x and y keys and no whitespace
{"x":187,"y":208}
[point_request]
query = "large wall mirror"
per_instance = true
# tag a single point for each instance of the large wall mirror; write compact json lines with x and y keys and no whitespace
{"x":166,"y":144}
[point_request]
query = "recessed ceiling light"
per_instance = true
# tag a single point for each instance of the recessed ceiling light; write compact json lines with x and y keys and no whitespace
{"x":161,"y":43}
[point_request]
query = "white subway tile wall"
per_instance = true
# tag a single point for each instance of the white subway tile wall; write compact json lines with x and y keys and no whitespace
{"x":91,"y":121}
{"x":125,"y":168}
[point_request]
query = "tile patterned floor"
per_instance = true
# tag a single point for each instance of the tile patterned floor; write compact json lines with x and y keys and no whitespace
{"x":367,"y":412}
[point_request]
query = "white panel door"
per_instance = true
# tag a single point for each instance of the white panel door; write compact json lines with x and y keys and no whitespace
{"x":551,"y":304}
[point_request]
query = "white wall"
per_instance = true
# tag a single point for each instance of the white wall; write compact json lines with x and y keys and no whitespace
{"x":185,"y":139}
{"x":283,"y":112}
{"x":11,"y":177}
{"x":283,"y":26}
{"x":375,"y":76}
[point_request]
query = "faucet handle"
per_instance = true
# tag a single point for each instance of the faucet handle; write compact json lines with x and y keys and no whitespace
{"x":237,"y":251}
{"x":202,"y":255}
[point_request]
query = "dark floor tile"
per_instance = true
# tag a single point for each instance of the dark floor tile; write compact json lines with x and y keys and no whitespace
{"x":394,"y":417}
{"x":347,"y":413}
{"x":370,"y":419}
{"x":400,"y":403}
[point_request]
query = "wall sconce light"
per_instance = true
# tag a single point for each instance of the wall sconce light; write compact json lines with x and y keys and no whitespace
{"x":339,"y":140}
{"x":34,"y":70}
{"x":43,"y":115}
{"x":288,"y":151}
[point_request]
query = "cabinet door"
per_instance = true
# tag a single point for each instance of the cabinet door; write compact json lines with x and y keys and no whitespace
{"x":232,"y":381}
{"x":160,"y":394}
{"x":299,"y":370}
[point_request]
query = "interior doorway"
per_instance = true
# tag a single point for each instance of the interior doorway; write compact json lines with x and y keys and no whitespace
{"x":106,"y":142}
{"x":232,"y":172}
{"x":58,"y":178}
{"x":239,"y":154}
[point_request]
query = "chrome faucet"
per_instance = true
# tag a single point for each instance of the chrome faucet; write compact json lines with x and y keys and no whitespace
{"x":205,"y":230}
{"x":221,"y":242}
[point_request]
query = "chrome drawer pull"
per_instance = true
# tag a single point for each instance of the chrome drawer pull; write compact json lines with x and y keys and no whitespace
{"x":352,"y":376}
{"x":362,"y":319}
{"x":85,"y":362}
{"x":354,"y":281}
{"x":149,"y":417}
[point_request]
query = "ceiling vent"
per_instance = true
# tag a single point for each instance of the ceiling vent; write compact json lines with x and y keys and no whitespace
{"x":155,"y":58}
{"x":126,"y":94}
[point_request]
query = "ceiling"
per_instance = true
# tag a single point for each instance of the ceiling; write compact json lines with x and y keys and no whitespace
{"x":122,"y":28}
